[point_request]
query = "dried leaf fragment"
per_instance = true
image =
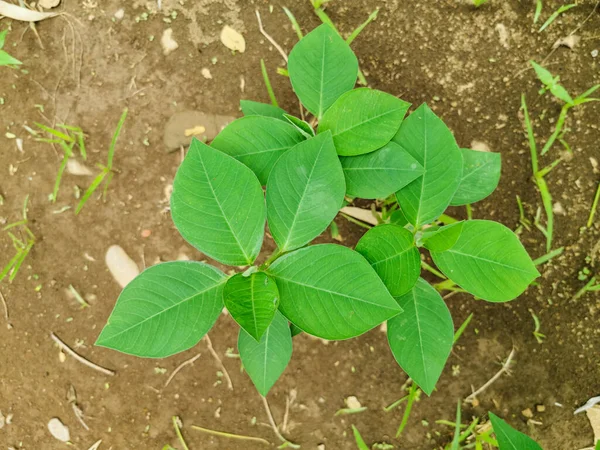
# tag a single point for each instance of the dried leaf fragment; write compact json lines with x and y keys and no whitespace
{"x":59,"y":430}
{"x":232,"y":39}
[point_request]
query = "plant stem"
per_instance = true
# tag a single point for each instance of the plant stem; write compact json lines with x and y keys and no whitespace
{"x":178,"y":433}
{"x":594,"y":207}
{"x":231,"y":435}
{"x":362,"y":26}
{"x":434,"y":271}
{"x":274,"y":425}
{"x":547,"y":257}
{"x":412,"y":395}
{"x":584,"y":289}
{"x":113,"y":143}
{"x":265,"y":75}
{"x":558,"y":128}
{"x":294,"y":22}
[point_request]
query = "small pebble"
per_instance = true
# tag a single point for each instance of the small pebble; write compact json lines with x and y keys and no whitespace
{"x":594,"y":53}
{"x":120,"y":14}
{"x":121,"y":266}
{"x":540,"y":408}
{"x":146,"y":233}
{"x":527,"y":413}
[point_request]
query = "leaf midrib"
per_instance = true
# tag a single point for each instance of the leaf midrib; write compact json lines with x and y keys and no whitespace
{"x":345,"y":130}
{"x":491,"y":261}
{"x":174,"y":305}
{"x":208,"y":181}
{"x":336,"y":293}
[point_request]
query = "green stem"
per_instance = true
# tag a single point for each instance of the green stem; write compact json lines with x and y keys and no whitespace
{"x":594,"y":207}
{"x":113,"y":143}
{"x":548,"y":256}
{"x":434,"y":271}
{"x":412,"y":395}
{"x":294,"y":22}
{"x":265,"y":75}
{"x":178,"y":433}
{"x":559,"y":126}
{"x":231,"y":435}
{"x":362,"y":26}
{"x":584,"y":289}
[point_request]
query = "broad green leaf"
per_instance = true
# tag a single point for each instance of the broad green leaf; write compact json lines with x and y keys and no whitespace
{"x":252,"y":301}
{"x":301,"y":125}
{"x":391,"y":251}
{"x":165,"y":310}
{"x":7,"y":60}
{"x":510,"y":439}
{"x":431,"y":143}
{"x":322,"y":67}
{"x":252,"y":108}
{"x":218,"y":206}
{"x":363,"y":120}
{"x":304,"y":192}
{"x":480,"y":177}
{"x":440,"y":239}
{"x":421,"y":337}
{"x":398,"y":218}
{"x":266,"y":360}
{"x":380,"y":173}
{"x":487,"y":260}
{"x":258,"y":142}
{"x":331,"y":292}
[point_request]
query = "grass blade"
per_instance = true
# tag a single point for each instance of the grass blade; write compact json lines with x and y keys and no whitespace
{"x":555,"y":15}
{"x":594,"y":207}
{"x":412,"y":396}
{"x":538,"y":11}
{"x":294,"y":22}
{"x":88,"y":193}
{"x":58,"y":134}
{"x":113,"y":143}
{"x":456,"y":439}
{"x":360,"y":443}
{"x":362,"y":26}
{"x":462,"y":328}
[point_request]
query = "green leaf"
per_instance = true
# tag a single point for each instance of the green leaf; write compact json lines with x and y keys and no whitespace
{"x":488,"y":260}
{"x":304,"y":192}
{"x":510,"y":439}
{"x":421,"y":337}
{"x":3,"y":37}
{"x":480,"y":177}
{"x":380,"y":173}
{"x":295,"y":330}
{"x":322,"y":67}
{"x":251,"y":108}
{"x":266,"y":360}
{"x":7,"y":60}
{"x":331,"y":292}
{"x":218,"y":206}
{"x":431,"y":143}
{"x":391,"y":251}
{"x":301,"y":125}
{"x":440,"y":239}
{"x":360,"y":443}
{"x":165,"y":310}
{"x":551,"y":83}
{"x":258,"y":142}
{"x":363,"y":120}
{"x":252,"y":301}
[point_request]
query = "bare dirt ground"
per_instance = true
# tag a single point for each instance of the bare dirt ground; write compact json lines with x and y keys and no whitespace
{"x":469,"y":64}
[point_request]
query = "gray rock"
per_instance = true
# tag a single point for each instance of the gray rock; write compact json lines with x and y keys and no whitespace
{"x":182,"y":126}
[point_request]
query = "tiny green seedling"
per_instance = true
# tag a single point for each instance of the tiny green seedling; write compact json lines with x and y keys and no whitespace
{"x":106,"y":173}
{"x":551,"y":83}
{"x":6,"y":59}
{"x":478,"y":3}
{"x":553,"y":16}
{"x":22,"y":245}
{"x":66,"y":139}
{"x":356,"y":143}
{"x":539,"y":337}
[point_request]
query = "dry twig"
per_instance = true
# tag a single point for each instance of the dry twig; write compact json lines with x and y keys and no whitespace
{"x":504,"y":369}
{"x":80,"y":358}
{"x":8,"y":324}
{"x":274,"y":425}
{"x":181,"y":366}
{"x":214,"y":354}
{"x":271,"y":40}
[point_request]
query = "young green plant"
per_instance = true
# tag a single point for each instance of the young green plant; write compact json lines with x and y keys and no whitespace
{"x":362,"y":147}
{"x":6,"y":59}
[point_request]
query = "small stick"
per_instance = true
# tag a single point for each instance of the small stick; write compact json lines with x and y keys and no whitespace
{"x":271,"y":40}
{"x":79,"y":415}
{"x":80,"y":358}
{"x":286,"y":415}
{"x":214,"y":354}
{"x":274,"y":425}
{"x":176,"y":421}
{"x":181,"y":366}
{"x":231,"y":435}
{"x":504,"y":369}
{"x":8,"y":324}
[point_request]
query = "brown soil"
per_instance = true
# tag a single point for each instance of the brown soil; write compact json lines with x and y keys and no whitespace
{"x":446,"y":53}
